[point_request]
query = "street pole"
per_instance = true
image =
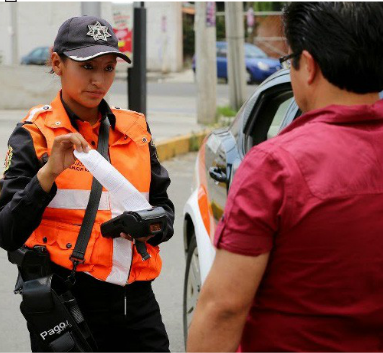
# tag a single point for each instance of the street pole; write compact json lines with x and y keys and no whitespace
{"x":206,"y":66}
{"x":14,"y":33}
{"x":91,"y":8}
{"x":236,"y":53}
{"x":137,"y":74}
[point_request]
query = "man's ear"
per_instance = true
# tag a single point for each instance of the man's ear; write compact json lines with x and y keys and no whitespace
{"x":310,"y":66}
{"x":57,"y":63}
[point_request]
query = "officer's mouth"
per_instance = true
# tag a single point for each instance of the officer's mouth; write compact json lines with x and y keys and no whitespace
{"x":95,"y":94}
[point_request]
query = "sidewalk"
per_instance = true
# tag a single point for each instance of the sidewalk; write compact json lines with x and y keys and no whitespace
{"x":174,"y":132}
{"x":185,"y":76}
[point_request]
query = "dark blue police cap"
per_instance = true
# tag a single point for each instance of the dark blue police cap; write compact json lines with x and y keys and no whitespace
{"x":85,"y":38}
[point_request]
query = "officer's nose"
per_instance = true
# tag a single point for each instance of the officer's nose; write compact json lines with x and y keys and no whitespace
{"x":97,"y":79}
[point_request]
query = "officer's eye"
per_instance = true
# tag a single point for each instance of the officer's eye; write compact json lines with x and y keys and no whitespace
{"x":109,"y":68}
{"x":87,"y":66}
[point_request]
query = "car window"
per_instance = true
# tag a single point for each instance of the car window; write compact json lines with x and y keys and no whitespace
{"x":267,"y":115}
{"x":251,"y":51}
{"x":235,"y":125}
{"x":46,"y":53}
{"x":222,"y":53}
{"x":292,"y":113}
{"x":221,"y":50}
{"x":278,"y":117}
{"x":36,"y":54}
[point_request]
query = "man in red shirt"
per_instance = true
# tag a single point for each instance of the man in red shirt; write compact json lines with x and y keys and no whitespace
{"x":299,"y":263}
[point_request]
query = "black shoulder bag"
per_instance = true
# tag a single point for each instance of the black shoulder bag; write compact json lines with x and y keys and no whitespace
{"x":48,"y":305}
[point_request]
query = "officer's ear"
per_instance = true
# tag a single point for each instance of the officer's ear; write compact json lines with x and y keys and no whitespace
{"x":57,"y":63}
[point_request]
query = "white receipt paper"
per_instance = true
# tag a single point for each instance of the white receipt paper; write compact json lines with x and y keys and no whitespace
{"x":111,"y":179}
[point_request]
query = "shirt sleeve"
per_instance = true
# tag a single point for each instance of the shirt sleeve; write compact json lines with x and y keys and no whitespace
{"x":22,"y":199}
{"x":254,"y":207}
{"x":158,"y":195}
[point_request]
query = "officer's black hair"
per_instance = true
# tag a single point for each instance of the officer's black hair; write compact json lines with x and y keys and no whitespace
{"x":344,"y":38}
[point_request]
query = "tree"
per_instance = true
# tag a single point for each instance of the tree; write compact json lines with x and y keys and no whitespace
{"x":268,"y":6}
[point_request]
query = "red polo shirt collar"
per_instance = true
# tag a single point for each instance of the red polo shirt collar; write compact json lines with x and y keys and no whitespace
{"x":340,"y":114}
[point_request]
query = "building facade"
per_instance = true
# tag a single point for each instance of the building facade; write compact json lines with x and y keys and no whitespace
{"x":26,"y":25}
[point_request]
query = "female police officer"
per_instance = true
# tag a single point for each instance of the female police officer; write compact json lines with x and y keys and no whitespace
{"x":45,"y":191}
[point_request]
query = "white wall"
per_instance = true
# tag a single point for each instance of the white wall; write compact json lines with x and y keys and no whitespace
{"x":38,"y":23}
{"x":23,"y":87}
{"x":164,"y":49}
{"x":5,"y":29}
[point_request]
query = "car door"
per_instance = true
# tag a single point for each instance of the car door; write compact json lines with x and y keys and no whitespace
{"x":220,"y":152}
{"x":259,"y":119}
{"x":222,"y":60}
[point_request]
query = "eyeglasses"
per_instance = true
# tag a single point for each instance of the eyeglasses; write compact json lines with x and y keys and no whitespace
{"x":286,"y":60}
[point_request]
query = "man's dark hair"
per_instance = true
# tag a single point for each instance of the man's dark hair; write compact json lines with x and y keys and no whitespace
{"x":345,"y":39}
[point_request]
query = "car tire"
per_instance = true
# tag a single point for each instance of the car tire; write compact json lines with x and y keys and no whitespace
{"x":192,"y":285}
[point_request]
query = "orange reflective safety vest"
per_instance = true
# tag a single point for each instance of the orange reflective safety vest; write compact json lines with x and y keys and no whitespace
{"x":112,"y":260}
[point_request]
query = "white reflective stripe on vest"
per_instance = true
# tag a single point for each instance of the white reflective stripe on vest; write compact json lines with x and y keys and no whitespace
{"x":72,"y":199}
{"x":122,"y":253}
{"x":33,"y":112}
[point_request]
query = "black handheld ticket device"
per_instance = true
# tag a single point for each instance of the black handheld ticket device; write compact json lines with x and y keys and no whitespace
{"x":137,"y":224}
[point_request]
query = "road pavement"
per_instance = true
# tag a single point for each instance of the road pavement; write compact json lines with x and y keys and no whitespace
{"x":168,"y":287}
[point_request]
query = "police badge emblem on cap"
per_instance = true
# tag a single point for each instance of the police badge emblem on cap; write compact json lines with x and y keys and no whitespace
{"x":85,"y":38}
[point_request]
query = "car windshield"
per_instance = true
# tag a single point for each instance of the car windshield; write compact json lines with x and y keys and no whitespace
{"x":252,"y":51}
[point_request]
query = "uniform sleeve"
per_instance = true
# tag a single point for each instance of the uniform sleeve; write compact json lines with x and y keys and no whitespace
{"x":255,"y":205}
{"x":158,"y":195}
{"x":22,"y":200}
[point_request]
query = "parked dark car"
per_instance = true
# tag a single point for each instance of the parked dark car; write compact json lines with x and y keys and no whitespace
{"x":37,"y":56}
{"x":258,"y":65}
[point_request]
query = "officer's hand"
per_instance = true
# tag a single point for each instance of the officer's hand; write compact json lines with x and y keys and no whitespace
{"x":143,"y":239}
{"x":62,"y":152}
{"x":61,"y":158}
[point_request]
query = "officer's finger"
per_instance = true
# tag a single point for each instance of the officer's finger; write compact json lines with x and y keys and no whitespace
{"x":84,"y":144}
{"x":63,"y":141}
{"x":145,"y":239}
{"x":126,"y":236}
{"x":79,"y":142}
{"x":67,"y":141}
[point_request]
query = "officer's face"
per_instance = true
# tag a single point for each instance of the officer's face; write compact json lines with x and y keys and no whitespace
{"x":86,"y":83}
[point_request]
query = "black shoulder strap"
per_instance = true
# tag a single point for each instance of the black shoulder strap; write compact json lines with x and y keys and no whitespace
{"x":78,"y":253}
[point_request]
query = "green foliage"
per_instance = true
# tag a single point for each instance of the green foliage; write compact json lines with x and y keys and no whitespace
{"x":220,"y":28}
{"x":188,"y":24}
{"x":194,"y":142}
{"x":188,"y":37}
{"x":268,"y":6}
{"x":226,"y":111}
{"x":189,"y":34}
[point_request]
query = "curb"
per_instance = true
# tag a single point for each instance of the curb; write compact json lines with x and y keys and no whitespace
{"x":176,"y":146}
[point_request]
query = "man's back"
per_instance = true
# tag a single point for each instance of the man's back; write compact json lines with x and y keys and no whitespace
{"x":301,"y":239}
{"x":323,"y":287}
